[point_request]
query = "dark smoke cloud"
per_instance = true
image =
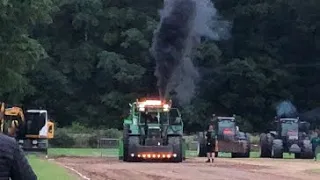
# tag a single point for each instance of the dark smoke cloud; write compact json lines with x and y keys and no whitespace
{"x":182,"y":24}
{"x":286,"y":109}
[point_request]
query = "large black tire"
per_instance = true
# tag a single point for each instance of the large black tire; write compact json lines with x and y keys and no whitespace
{"x":265,"y":146}
{"x":125,"y":141}
{"x":125,"y":151}
{"x":236,"y":155}
{"x":247,"y":154}
{"x":176,"y":142}
{"x":307,"y":152}
{"x":132,"y":142}
{"x":242,"y":155}
{"x":277,"y":149}
{"x":202,"y":148}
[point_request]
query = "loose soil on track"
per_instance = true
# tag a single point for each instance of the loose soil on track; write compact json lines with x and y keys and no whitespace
{"x":194,"y":169}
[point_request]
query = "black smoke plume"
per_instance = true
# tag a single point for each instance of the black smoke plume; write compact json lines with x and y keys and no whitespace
{"x":182,"y":24}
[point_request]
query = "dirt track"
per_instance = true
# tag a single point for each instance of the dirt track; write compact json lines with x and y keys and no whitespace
{"x":195,"y":169}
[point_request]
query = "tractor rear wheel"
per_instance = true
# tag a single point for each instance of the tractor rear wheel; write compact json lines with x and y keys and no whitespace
{"x":247,"y":153}
{"x":176,"y":142}
{"x":201,"y":150}
{"x":235,"y":155}
{"x":277,"y":149}
{"x":125,"y":156}
{"x":265,"y":147}
{"x":297,"y":155}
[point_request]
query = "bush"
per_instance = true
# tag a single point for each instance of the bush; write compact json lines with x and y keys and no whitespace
{"x":81,"y":140}
{"x":79,"y":128}
{"x":112,"y":133}
{"x":62,"y":139}
{"x":93,"y":141}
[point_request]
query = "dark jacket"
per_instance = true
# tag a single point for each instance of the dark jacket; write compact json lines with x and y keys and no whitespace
{"x":13,"y":163}
{"x":315,"y":142}
{"x":210,"y":137}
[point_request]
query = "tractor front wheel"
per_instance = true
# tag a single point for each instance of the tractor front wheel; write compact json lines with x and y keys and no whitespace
{"x":132,"y":141}
{"x":307,"y":152}
{"x":176,"y":142}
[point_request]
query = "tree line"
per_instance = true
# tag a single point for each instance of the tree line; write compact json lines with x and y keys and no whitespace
{"x":85,"y":60}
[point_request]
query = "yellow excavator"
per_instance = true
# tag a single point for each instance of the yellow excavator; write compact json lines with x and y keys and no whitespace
{"x":31,"y":128}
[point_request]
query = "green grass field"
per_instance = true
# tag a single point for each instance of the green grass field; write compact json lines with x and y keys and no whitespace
{"x":47,"y":170}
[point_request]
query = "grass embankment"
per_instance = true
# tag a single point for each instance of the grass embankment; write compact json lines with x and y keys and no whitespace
{"x":47,"y":170}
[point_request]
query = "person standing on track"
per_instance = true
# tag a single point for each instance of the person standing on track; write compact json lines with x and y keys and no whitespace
{"x":316,"y":144}
{"x":210,"y":137}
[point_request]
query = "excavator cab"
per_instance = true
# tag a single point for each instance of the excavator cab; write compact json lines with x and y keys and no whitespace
{"x":38,"y":129}
{"x":38,"y":124}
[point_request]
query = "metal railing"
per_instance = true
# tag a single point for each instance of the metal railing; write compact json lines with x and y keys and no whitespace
{"x":108,"y":147}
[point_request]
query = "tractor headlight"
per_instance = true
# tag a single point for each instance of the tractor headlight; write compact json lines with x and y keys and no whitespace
{"x":34,"y":142}
{"x":174,"y":155}
{"x":21,"y":141}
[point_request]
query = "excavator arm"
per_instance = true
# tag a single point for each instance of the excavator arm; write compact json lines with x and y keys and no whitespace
{"x":13,"y":120}
{"x":2,"y":109}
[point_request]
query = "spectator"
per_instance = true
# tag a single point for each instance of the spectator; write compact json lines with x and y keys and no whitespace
{"x":14,"y":165}
{"x":210,"y":136}
{"x":315,"y":141}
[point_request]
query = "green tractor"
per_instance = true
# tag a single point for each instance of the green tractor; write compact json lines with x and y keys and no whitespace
{"x":153,"y":131}
{"x":228,"y":138}
{"x":291,"y":136}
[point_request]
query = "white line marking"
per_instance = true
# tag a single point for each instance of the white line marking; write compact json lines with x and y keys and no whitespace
{"x":79,"y":174}
{"x":75,"y":171}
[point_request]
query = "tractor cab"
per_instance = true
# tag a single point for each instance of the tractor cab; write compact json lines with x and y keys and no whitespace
{"x":226,"y":127}
{"x":288,"y":128}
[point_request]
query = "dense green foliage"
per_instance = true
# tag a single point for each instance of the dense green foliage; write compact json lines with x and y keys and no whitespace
{"x":84,"y":60}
